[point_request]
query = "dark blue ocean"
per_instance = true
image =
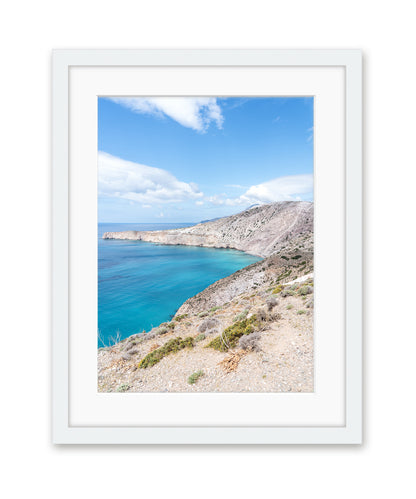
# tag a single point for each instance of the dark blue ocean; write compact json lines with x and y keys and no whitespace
{"x":143,"y":284}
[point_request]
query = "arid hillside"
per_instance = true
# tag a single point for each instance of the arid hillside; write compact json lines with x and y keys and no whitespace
{"x":261,"y":230}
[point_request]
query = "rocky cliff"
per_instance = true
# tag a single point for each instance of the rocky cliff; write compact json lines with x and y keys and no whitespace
{"x":262,"y":230}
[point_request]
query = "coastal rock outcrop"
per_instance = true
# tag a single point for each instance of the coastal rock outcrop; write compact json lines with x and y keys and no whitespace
{"x":261,"y":230}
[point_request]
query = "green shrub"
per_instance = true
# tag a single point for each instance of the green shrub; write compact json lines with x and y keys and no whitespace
{"x":160,"y":330}
{"x":241,"y":316}
{"x":122,"y":388}
{"x":277,"y":290}
{"x":172,"y":346}
{"x":230,"y":336}
{"x":193,"y":378}
{"x":200,"y":337}
{"x":301,"y":312}
{"x":283,"y":275}
{"x":180,"y":317}
{"x":305,"y":290}
{"x":296,"y":257}
{"x":213,"y":309}
{"x":203,"y":314}
{"x":289,"y":307}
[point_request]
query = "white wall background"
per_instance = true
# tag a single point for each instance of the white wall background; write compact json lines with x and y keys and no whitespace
{"x":32,"y":467}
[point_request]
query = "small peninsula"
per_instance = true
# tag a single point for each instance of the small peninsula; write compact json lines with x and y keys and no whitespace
{"x":261,"y":230}
{"x":249,"y":332}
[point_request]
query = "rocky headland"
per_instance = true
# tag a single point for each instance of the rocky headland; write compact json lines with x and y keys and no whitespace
{"x":251,"y":331}
{"x":261,"y":230}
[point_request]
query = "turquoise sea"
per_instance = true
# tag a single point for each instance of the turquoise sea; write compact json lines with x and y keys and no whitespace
{"x":143,"y":284}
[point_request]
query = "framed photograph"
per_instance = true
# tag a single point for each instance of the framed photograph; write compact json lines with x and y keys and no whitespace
{"x":207,"y":247}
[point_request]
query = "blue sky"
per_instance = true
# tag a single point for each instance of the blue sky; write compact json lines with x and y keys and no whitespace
{"x":187,"y":159}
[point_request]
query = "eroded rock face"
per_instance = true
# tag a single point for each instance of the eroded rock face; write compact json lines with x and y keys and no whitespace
{"x":282,"y":266}
{"x":261,"y":230}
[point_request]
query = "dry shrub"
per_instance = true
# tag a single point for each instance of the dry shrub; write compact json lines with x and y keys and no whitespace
{"x":230,"y":363}
{"x":154,"y":346}
{"x":207,"y":325}
{"x":159,"y":330}
{"x":274,"y":316}
{"x":117,"y":363}
{"x":271,"y":303}
{"x":310,"y":304}
{"x":130,"y":346}
{"x":128,"y":355}
{"x":261,"y":315}
{"x":250,"y":342}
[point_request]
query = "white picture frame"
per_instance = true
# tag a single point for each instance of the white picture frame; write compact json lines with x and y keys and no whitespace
{"x":349,"y":260}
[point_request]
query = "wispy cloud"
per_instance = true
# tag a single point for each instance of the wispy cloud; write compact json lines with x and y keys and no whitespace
{"x":141,"y":183}
{"x":288,"y":188}
{"x":217,"y":199}
{"x":309,"y":131}
{"x":191,"y":112}
{"x":236,"y":102}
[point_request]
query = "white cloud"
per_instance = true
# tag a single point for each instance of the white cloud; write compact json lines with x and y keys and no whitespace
{"x":199,"y":203}
{"x":280,"y":189}
{"x":141,"y":183}
{"x":289,"y":188}
{"x":191,"y":112}
{"x":217,"y":199}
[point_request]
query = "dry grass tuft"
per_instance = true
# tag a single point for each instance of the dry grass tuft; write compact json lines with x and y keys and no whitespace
{"x":117,"y":362}
{"x":230,"y":363}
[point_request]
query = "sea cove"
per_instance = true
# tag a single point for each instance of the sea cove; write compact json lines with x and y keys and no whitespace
{"x":142,"y":284}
